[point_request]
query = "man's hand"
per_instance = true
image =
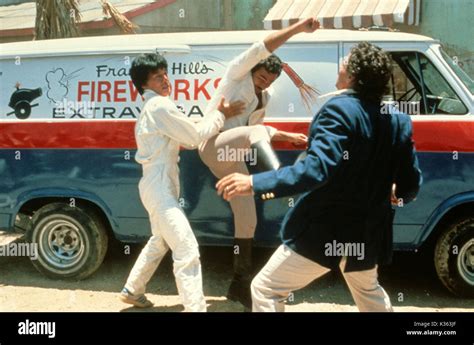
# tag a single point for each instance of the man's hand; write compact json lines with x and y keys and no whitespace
{"x":231,"y":109}
{"x":234,"y":185}
{"x":276,"y":39}
{"x":297,"y":139}
{"x":308,"y":25}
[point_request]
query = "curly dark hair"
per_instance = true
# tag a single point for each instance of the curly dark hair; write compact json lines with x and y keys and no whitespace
{"x":371,"y":68}
{"x":143,"y":65}
{"x":272,"y":64}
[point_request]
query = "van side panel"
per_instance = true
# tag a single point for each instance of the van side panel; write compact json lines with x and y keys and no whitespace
{"x":68,"y":123}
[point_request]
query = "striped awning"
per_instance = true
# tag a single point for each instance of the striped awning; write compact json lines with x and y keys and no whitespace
{"x":344,"y":14}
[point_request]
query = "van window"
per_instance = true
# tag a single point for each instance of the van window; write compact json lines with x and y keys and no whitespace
{"x":455,"y":66}
{"x":420,"y":89}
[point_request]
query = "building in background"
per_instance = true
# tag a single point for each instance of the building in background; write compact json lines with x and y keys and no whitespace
{"x":448,"y":21}
{"x":17,"y":17}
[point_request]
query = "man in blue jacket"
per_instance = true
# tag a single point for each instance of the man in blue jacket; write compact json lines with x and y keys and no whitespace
{"x":358,"y":162}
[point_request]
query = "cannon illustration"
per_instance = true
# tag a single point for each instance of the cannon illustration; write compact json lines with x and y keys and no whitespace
{"x":20,"y":101}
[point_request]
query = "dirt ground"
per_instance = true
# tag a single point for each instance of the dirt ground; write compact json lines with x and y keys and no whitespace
{"x":410,"y":282}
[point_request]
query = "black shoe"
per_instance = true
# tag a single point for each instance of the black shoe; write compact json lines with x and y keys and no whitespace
{"x":239,"y":289}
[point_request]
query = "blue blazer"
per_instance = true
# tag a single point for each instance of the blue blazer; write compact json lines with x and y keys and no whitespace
{"x":354,"y":155}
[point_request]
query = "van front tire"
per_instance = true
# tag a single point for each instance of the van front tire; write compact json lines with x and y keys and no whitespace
{"x":70,"y":241}
{"x":454,"y":257}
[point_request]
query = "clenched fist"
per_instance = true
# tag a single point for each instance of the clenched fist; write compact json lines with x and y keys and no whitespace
{"x":309,"y":25}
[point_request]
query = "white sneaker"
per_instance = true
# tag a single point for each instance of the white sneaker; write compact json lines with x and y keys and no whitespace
{"x":139,"y":301}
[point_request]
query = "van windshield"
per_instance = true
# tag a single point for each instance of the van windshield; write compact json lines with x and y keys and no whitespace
{"x":465,"y":78}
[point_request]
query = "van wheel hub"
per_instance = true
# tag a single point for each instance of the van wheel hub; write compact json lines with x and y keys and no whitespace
{"x":466,"y":261}
{"x":62,"y":243}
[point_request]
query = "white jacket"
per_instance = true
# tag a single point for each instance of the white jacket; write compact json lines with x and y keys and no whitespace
{"x":160,"y":130}
{"x":237,"y":85}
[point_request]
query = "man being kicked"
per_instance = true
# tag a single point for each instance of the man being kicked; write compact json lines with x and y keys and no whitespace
{"x":248,"y":77}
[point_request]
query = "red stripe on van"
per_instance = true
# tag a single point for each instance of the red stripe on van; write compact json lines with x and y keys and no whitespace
{"x":446,"y":136}
{"x":84,"y":134}
{"x":429,"y":135}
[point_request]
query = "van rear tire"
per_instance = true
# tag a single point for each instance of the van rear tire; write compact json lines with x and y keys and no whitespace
{"x":71,"y":242}
{"x":454,"y":257}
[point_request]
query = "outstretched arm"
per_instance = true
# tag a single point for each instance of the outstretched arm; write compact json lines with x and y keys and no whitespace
{"x":174,"y":124}
{"x":278,"y":38}
{"x":324,"y":155}
{"x":244,"y":63}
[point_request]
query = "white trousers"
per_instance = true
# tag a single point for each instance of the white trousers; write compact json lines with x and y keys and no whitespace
{"x":243,"y":207}
{"x":287,"y":271}
{"x":170,"y":230}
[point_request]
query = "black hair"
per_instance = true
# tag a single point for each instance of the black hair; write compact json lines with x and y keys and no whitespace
{"x":143,"y":65}
{"x":272,"y":64}
{"x":371,"y":68}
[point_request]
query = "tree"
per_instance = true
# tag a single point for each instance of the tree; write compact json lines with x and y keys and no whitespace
{"x":57,"y":19}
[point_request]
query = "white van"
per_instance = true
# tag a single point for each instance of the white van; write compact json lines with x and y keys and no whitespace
{"x":68,"y":109}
